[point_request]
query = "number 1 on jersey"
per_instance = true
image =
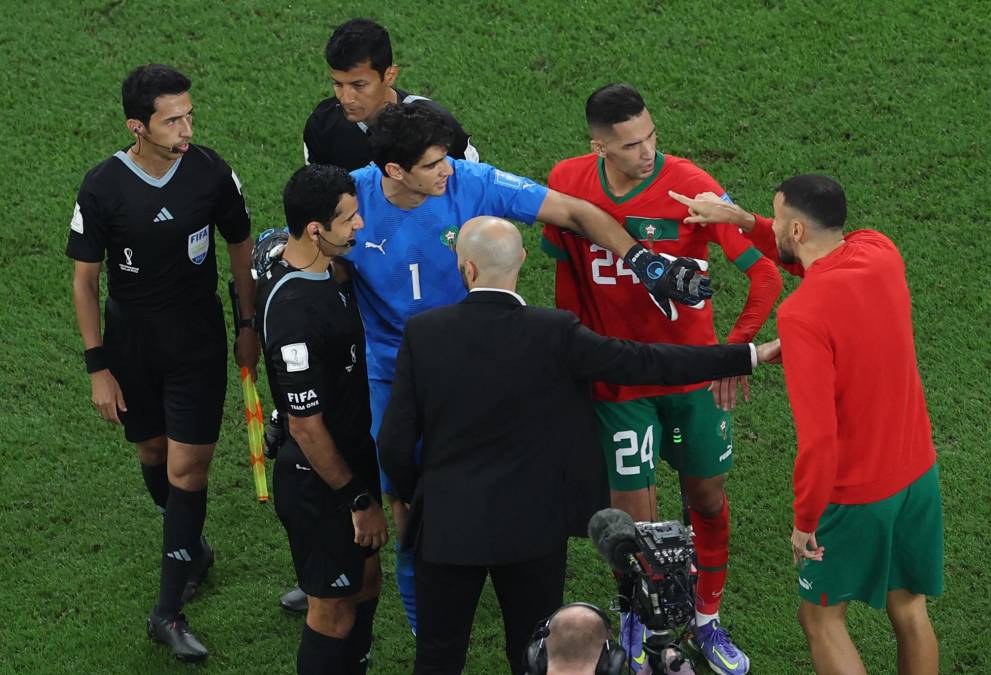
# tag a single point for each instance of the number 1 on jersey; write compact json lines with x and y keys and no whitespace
{"x":414,"y":270}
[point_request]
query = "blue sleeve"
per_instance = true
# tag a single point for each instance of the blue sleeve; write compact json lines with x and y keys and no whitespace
{"x":500,"y":193}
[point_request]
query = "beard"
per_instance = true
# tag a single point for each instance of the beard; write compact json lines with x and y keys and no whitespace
{"x":787,"y":255}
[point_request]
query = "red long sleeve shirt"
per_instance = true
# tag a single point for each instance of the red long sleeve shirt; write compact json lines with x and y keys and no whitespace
{"x":852,"y":377}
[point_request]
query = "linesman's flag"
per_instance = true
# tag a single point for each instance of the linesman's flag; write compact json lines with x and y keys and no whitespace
{"x":256,"y":434}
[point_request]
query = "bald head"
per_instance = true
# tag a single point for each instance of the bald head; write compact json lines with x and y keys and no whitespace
{"x":575,"y":641}
{"x":490,"y":253}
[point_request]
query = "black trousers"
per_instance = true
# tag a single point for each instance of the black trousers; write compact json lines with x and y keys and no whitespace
{"x":447,"y":595}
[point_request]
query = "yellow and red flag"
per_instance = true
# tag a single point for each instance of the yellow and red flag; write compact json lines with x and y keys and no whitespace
{"x":256,"y":434}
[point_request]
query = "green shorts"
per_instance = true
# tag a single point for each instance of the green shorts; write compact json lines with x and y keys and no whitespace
{"x":892,"y":544}
{"x":687,"y":430}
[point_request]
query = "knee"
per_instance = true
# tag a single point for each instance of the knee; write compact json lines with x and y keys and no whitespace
{"x":909,"y":616}
{"x":189,"y":466}
{"x":706,"y":496}
{"x":817,"y":622}
{"x":333,"y":617}
{"x":153,"y":452}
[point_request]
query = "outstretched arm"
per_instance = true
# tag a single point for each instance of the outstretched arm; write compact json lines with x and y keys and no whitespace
{"x":680,"y":279}
{"x":707,"y":208}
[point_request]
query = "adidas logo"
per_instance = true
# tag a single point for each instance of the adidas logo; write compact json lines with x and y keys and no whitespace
{"x":179,"y":554}
{"x":341,"y":582}
{"x":163,"y":215}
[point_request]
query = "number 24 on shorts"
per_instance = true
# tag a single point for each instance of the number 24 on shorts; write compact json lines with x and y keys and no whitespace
{"x":632,"y":448}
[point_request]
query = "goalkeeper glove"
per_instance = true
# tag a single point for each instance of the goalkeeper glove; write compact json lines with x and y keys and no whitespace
{"x":669,"y":279}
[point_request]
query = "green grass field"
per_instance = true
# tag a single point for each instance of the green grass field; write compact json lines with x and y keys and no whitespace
{"x":892,"y":98}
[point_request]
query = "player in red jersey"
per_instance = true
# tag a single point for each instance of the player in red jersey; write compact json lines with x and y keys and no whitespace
{"x":868,"y":520}
{"x":688,"y":426}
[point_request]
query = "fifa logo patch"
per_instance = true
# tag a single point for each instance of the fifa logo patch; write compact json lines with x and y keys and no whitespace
{"x":449,"y":237}
{"x":128,"y":264}
{"x":198,"y":245}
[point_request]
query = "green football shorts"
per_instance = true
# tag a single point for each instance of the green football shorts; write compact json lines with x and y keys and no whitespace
{"x":687,"y":430}
{"x":895,"y":543}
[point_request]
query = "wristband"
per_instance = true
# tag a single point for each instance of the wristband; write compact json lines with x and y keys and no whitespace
{"x":96,"y":359}
{"x":348,"y":492}
{"x":246,"y":323}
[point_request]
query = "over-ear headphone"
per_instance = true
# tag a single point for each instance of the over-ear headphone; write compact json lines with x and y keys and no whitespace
{"x":612,"y":659}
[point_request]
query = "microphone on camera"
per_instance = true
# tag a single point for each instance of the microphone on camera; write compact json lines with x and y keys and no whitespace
{"x":615,"y":536}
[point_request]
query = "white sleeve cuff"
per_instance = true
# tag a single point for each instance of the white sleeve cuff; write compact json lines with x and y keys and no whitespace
{"x":753,"y":356}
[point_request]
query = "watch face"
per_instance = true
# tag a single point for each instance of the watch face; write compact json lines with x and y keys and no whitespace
{"x":361,"y":502}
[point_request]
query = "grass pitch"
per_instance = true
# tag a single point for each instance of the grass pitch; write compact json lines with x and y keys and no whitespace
{"x":892,"y":98}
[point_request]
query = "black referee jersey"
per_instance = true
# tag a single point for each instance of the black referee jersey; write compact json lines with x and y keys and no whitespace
{"x":314,"y":346}
{"x":330,"y":138}
{"x":157,"y":233}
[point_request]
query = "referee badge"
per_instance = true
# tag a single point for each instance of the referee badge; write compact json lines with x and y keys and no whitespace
{"x":199,"y":245}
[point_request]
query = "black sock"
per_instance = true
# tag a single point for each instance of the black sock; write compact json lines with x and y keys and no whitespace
{"x":157,"y":481}
{"x":319,"y":654}
{"x":358,"y":646}
{"x":184,"y":516}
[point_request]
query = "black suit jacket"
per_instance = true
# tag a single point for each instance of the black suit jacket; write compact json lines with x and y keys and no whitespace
{"x":511,"y":462}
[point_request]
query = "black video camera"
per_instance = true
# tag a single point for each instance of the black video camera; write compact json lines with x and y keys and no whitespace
{"x":654,"y":563}
{"x":659,"y":584}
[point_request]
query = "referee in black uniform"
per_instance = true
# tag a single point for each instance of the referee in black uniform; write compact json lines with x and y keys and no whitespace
{"x":326,"y":475}
{"x":359,"y":53}
{"x":160,"y":365}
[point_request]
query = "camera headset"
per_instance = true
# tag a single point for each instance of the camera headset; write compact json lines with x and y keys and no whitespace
{"x":612,"y":659}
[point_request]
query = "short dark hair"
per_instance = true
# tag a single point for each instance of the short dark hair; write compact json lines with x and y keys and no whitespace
{"x":146,"y":83}
{"x":402,"y":132}
{"x":313,"y":193}
{"x":357,"y":41}
{"x":613,"y":104}
{"x":819,"y":197}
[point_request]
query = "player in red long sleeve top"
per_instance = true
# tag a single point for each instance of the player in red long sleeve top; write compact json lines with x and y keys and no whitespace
{"x":688,"y":425}
{"x":868,"y":518}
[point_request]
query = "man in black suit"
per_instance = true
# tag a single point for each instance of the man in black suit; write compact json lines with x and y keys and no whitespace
{"x":499,"y":393}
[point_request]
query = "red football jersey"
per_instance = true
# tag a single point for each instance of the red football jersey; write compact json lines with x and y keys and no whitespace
{"x":604,"y":293}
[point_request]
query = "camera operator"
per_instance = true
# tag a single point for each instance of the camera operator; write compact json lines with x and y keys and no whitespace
{"x":499,"y":393}
{"x":576,"y":637}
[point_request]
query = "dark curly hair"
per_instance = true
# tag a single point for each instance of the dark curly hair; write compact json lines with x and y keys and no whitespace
{"x":403,"y":132}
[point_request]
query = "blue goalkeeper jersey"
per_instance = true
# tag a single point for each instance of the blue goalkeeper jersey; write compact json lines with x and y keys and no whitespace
{"x":404,"y":261}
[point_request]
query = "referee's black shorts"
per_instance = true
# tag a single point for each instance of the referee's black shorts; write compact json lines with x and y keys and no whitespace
{"x":321,"y":535}
{"x":172,"y":370}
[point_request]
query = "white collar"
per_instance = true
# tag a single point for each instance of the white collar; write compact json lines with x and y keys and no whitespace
{"x":501,"y":290}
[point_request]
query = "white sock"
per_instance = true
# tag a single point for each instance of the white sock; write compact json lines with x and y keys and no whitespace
{"x":702,"y":619}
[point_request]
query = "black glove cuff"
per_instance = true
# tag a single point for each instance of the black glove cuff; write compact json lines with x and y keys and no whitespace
{"x":637,"y":257}
{"x":348,"y":492}
{"x":96,"y":359}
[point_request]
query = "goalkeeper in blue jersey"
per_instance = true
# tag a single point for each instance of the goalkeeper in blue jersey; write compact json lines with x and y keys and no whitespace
{"x":413,"y":200}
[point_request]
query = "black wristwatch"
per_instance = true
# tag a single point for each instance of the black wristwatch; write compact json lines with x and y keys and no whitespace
{"x":246,"y":323}
{"x":361,"y":502}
